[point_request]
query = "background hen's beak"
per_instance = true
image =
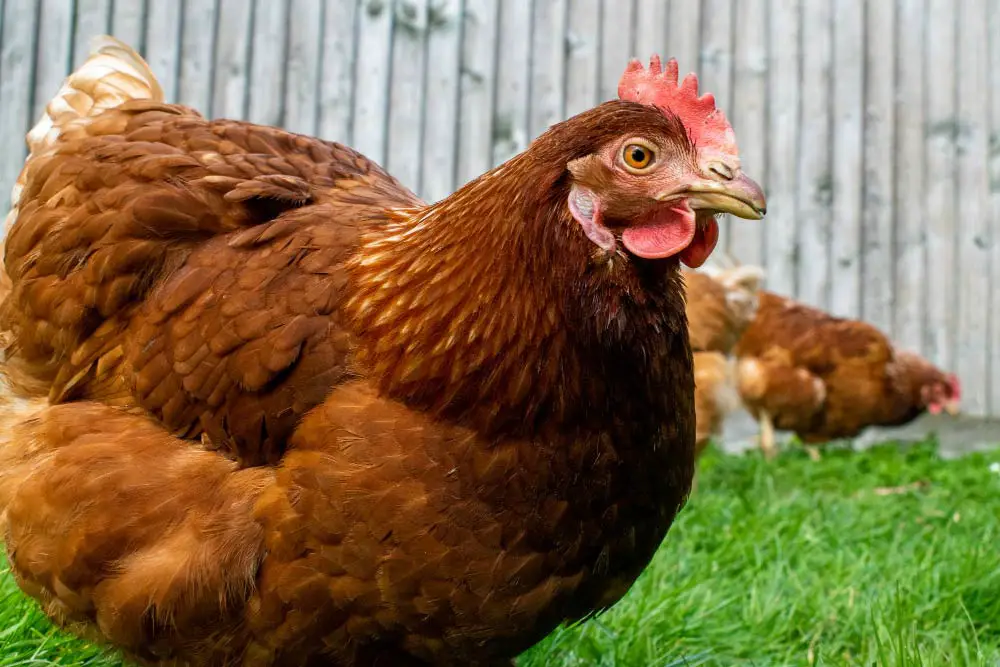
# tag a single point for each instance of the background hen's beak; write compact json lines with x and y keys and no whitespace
{"x":740,"y":196}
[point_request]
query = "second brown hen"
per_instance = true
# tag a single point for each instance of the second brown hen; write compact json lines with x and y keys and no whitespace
{"x":824,"y":377}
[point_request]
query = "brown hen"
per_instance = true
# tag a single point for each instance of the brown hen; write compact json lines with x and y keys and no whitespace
{"x":826,"y":377}
{"x":275,"y":410}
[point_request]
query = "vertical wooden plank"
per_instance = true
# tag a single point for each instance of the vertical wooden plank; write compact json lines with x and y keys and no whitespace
{"x":879,"y":163}
{"x":93,"y":18}
{"x":939,"y":332}
{"x":128,"y":20}
{"x":715,"y":73}
{"x":784,"y":87}
{"x":337,"y":80}
{"x":684,"y":36}
{"x":478,"y":87}
{"x":406,"y":94}
{"x":848,"y":165}
{"x":510,"y":120}
{"x":232,"y":62}
{"x":371,"y":78}
{"x":583,"y":41}
{"x":749,"y":118}
{"x":305,"y":25}
{"x":197,"y":48}
{"x":54,"y":51}
{"x":815,"y":182}
{"x":17,"y":64}
{"x":269,"y":44}
{"x":910,"y":299}
{"x":617,"y":37}
{"x":973,"y":213}
{"x":163,"y":41}
{"x":440,"y":136}
{"x":651,"y":30}
{"x":994,"y":172}
{"x":548,"y":60}
{"x":716,"y":68}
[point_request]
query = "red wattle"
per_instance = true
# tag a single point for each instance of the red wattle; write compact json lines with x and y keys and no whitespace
{"x":673,"y":232}
{"x":664,"y":236}
{"x":702,"y":246}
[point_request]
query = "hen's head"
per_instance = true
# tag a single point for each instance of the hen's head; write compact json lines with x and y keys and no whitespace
{"x":659,"y":175}
{"x":939,"y":391}
{"x":943,"y":394}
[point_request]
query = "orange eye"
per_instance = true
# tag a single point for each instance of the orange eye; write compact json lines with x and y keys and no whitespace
{"x":638,"y":157}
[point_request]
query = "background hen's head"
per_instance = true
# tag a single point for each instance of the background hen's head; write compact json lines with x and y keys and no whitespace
{"x":656,"y":181}
{"x":942,"y":393}
{"x":939,"y":391}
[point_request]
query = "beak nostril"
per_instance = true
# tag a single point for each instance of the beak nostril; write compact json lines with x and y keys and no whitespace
{"x":722,"y":171}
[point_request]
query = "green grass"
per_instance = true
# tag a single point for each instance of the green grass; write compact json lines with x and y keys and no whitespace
{"x":791,"y":563}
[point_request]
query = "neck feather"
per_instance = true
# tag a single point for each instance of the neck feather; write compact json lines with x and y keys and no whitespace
{"x":489,"y":306}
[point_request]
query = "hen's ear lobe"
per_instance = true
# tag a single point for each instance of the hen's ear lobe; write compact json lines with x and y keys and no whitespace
{"x":585,"y":207}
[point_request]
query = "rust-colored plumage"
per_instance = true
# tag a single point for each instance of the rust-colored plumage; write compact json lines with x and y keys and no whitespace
{"x":272,"y":409}
{"x":825,"y":377}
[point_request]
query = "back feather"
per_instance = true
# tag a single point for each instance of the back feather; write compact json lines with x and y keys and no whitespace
{"x":112,"y":75}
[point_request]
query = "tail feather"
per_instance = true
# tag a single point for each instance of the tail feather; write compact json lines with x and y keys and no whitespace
{"x":742,"y":284}
{"x":113,"y":74}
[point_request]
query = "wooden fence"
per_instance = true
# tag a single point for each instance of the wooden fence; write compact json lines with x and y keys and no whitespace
{"x":874,"y":124}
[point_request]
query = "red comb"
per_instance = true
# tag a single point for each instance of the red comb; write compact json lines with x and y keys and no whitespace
{"x":655,"y":86}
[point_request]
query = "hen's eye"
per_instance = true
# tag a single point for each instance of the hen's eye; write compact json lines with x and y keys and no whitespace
{"x":637,"y":156}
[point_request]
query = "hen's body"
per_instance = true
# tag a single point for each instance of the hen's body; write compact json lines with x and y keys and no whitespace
{"x":276,"y":412}
{"x":825,"y":377}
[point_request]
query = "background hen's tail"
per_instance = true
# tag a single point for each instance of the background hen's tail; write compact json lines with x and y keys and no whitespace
{"x":742,"y":284}
{"x":113,"y":74}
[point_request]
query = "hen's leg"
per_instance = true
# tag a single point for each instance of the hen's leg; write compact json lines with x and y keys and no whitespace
{"x":811,"y":444}
{"x":767,"y":441}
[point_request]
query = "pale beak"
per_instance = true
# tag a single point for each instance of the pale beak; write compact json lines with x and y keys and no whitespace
{"x":952,"y":408}
{"x":740,"y":196}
